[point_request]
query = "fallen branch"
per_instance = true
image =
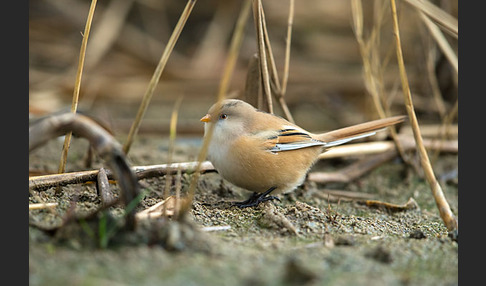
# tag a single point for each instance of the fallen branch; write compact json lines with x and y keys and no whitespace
{"x":40,"y":183}
{"x":411,"y":204}
{"x":103,"y":187}
{"x":336,"y":195}
{"x":102,"y":142}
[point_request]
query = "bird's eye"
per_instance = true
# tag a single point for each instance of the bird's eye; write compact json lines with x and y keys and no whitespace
{"x":223,"y":116}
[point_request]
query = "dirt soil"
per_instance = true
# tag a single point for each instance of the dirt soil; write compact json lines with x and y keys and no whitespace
{"x":306,"y":238}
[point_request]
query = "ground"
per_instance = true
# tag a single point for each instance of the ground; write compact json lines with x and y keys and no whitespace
{"x":307,"y":238}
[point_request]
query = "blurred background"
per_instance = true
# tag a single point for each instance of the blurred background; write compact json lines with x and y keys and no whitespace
{"x":326,"y":87}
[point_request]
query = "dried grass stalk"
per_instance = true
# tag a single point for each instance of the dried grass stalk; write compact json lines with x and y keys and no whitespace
{"x":442,"y":18}
{"x":285,"y":77}
{"x":444,"y":209}
{"x":372,"y":63}
{"x":262,"y":52}
{"x":441,"y":41}
{"x":77,"y":83}
{"x":158,"y":73}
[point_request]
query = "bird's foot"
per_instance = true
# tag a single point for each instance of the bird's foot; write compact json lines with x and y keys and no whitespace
{"x":257,"y":198}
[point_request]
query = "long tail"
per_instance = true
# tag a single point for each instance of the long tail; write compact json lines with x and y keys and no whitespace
{"x":357,"y":131}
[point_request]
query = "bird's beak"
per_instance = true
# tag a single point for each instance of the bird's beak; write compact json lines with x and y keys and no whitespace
{"x":206,"y":118}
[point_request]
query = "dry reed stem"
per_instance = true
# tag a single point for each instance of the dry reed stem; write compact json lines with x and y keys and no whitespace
{"x":285,"y":76}
{"x":270,"y":77}
{"x":77,"y":84}
{"x":172,"y":137}
{"x":233,"y":52}
{"x":257,"y":14}
{"x":444,"y":209}
{"x":288,"y":40}
{"x":442,"y":18}
{"x":441,"y":42}
{"x":158,"y":73}
{"x":372,"y":65}
{"x":453,"y":60}
{"x":268,"y":49}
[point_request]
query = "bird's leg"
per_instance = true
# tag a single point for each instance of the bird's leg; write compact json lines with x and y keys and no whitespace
{"x":257,"y":198}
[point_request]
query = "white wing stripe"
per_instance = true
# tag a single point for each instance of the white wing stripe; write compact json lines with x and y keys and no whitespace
{"x":342,"y":141}
{"x":294,"y":146}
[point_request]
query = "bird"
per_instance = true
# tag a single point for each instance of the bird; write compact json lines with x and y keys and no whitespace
{"x":266,"y":154}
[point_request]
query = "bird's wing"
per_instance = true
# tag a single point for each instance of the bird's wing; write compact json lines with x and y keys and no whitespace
{"x":289,"y":139}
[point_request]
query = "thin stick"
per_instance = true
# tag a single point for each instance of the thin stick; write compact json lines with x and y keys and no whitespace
{"x":42,"y":206}
{"x":216,"y":228}
{"x":444,"y":209}
{"x":411,"y":204}
{"x":157,"y":74}
{"x":77,"y":84}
